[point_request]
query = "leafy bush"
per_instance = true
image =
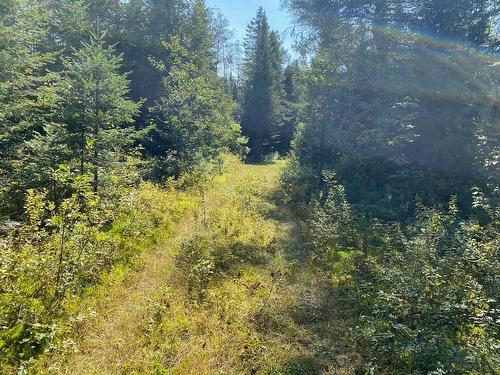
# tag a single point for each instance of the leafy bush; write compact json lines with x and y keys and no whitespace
{"x":196,"y":263}
{"x":64,"y":247}
{"x":432,"y":305}
{"x":57,"y":251}
{"x":427,"y":294}
{"x":299,"y":180}
{"x":331,"y":225}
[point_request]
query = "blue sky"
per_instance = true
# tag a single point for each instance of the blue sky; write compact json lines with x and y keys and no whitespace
{"x":240,"y":12}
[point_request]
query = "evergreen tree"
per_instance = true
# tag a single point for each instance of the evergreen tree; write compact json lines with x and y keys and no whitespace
{"x":193,"y":118}
{"x":149,"y":24}
{"x":96,"y":107}
{"x":201,"y":38}
{"x":263,"y":92}
{"x":469,"y":21}
{"x":387,"y":107}
{"x":27,"y":94}
{"x":294,"y":105}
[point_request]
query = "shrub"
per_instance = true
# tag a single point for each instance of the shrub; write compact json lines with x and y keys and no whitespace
{"x":427,"y":294}
{"x":331,"y":226}
{"x":432,"y":306}
{"x":64,"y":247}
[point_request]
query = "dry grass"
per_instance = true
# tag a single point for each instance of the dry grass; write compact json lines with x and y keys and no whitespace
{"x":272,"y":316}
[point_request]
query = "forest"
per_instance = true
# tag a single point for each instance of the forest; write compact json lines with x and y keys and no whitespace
{"x":176,"y":201}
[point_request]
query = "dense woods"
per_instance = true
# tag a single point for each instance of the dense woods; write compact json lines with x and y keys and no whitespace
{"x":372,"y":246}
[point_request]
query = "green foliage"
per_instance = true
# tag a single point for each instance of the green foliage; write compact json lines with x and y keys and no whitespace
{"x":196,"y":263}
{"x":237,"y":296}
{"x":395,"y":111}
{"x":427,"y":294}
{"x":405,"y":121}
{"x":294,"y":105}
{"x":64,"y":98}
{"x":432,"y":305}
{"x":71,"y":158}
{"x":64,"y":247}
{"x":27,"y":93}
{"x":56,"y":252}
{"x":331,"y":225}
{"x":79,"y":117}
{"x":388,"y":107}
{"x":193,"y":119}
{"x":96,"y":107}
{"x":263,"y":90}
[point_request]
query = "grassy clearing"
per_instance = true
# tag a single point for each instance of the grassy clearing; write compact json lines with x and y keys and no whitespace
{"x":226,"y":291}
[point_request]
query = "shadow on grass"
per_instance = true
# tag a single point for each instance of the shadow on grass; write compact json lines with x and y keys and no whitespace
{"x":300,"y":365}
{"x":315,"y":314}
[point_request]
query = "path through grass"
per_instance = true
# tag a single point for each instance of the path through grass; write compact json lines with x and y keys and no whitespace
{"x":230,"y":292}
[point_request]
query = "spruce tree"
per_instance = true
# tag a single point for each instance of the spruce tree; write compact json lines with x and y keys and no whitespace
{"x":27,"y":94}
{"x":193,"y":118}
{"x":409,"y":108}
{"x":294,"y":105}
{"x":263,"y":87}
{"x":201,"y":38}
{"x":96,"y":107}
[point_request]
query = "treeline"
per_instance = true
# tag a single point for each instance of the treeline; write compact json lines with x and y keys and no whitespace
{"x":96,"y":97}
{"x":104,"y":86}
{"x":396,"y":167}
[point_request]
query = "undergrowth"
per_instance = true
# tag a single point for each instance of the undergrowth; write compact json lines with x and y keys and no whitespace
{"x":56,"y":258}
{"x":425,"y":294}
{"x":228,"y":288}
{"x":240,"y":301}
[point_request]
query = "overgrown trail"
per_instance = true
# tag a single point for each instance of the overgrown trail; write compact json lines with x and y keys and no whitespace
{"x":253,"y":305}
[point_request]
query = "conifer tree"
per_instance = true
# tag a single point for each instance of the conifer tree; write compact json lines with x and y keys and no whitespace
{"x":263,"y":87}
{"x":389,"y":100}
{"x":27,"y":94}
{"x":96,"y":106}
{"x":201,"y":39}
{"x":294,"y":105}
{"x":193,"y":118}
